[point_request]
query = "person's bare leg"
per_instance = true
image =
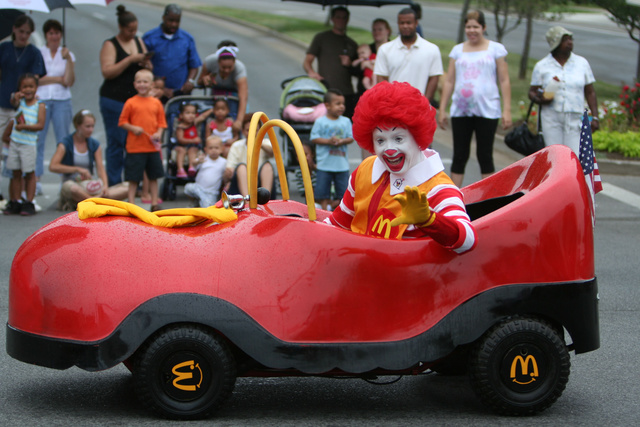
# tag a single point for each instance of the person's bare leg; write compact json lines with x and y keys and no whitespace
{"x":15,"y":185}
{"x":144,"y":194}
{"x":30,"y":185}
{"x":119,"y":191}
{"x":193,"y":155}
{"x":266,"y":176}
{"x":153,"y":189}
{"x":180,"y":153}
{"x":133,"y":186}
{"x":241,"y":176}
{"x":457,"y":178}
{"x":78,"y":193}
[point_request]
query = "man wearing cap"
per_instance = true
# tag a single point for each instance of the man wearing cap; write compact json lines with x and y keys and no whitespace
{"x":560,"y":83}
{"x":174,"y":53}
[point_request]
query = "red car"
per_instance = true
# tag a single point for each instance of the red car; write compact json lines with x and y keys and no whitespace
{"x":276,"y":293}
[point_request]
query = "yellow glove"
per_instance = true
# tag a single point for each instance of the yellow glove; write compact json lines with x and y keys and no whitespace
{"x":415,"y":208}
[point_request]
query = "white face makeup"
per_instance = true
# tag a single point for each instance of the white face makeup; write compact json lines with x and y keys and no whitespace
{"x":397,"y":149}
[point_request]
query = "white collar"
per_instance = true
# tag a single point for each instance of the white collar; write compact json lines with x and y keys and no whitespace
{"x":429,"y":166}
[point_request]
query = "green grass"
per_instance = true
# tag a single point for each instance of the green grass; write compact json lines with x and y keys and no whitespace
{"x":303,"y":30}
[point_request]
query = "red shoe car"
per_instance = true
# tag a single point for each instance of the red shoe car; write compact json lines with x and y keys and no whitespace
{"x":278,"y":293}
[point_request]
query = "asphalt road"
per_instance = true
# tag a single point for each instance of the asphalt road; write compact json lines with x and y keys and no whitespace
{"x":602,"y":390}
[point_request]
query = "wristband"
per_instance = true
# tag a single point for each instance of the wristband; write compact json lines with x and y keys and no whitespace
{"x":430,"y":221}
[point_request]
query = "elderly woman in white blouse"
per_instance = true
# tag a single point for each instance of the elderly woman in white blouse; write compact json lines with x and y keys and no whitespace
{"x":560,"y":83}
{"x":53,"y":88}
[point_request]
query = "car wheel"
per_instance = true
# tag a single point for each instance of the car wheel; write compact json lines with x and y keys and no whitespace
{"x":520,"y":366}
{"x":184,"y":372}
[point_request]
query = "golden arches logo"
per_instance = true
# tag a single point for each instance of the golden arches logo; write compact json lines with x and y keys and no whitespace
{"x":182,"y":375}
{"x":381,"y":224}
{"x":524,"y":368}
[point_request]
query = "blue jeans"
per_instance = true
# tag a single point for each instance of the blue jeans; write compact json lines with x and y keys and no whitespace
{"x":116,"y":139}
{"x":324,"y":179}
{"x":60,"y":113}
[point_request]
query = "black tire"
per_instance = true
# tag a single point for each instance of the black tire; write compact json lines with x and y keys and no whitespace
{"x":520,"y":366}
{"x":184,"y":372}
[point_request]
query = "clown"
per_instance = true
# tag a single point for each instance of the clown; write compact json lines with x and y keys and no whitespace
{"x":402,"y":191}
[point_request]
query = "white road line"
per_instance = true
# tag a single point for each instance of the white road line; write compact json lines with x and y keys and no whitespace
{"x":621,"y":195}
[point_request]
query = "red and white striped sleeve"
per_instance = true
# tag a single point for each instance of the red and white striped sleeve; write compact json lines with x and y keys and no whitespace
{"x":452,"y":227}
{"x":342,"y":216}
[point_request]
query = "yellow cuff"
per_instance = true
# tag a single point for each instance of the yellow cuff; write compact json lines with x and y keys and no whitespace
{"x":429,"y":221}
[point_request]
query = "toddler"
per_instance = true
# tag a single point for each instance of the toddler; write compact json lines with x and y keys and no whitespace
{"x":158,"y":89}
{"x":366,"y":61}
{"x":189,"y":140}
{"x":331,"y":133}
{"x":222,"y":125}
{"x":29,"y":119}
{"x":210,"y":174}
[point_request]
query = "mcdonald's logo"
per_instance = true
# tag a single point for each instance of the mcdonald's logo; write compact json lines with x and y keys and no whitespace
{"x":381,"y":224}
{"x":524,"y":368}
{"x":183,"y":376}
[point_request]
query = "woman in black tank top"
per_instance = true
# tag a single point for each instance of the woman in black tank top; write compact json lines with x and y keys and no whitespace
{"x":120,"y":58}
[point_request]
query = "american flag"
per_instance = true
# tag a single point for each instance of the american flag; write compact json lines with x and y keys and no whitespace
{"x":588,"y":158}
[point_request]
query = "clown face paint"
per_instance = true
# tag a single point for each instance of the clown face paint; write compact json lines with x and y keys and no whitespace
{"x":397,"y":149}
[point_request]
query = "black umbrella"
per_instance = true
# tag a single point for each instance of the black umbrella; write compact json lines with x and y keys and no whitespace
{"x":57,"y":4}
{"x":376,"y":3}
{"x":7,"y":18}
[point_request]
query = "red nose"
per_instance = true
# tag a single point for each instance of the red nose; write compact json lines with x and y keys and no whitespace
{"x":390,"y":153}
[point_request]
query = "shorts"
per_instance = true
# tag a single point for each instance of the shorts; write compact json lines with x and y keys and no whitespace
{"x":189,"y":146}
{"x":66,"y":201}
{"x":324,"y":179}
{"x":21,"y":157}
{"x":135,"y":164}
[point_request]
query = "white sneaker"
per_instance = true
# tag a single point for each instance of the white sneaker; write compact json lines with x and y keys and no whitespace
{"x":38,"y":188}
{"x":37,"y":206}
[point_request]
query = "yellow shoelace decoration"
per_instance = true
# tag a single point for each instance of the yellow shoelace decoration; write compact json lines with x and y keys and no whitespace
{"x":178,"y":217}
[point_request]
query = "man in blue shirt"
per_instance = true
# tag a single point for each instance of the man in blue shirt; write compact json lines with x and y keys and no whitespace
{"x":174,"y":53}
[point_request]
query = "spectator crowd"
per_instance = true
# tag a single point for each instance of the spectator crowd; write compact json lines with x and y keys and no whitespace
{"x":140,"y":74}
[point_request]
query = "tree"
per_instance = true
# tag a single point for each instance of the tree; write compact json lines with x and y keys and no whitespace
{"x":463,"y":15}
{"x":529,"y":10}
{"x":626,"y":15}
{"x":503,"y":11}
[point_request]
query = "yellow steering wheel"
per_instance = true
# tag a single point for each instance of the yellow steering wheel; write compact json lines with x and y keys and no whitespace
{"x":254,"y":143}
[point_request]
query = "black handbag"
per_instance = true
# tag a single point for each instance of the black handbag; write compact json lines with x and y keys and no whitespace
{"x":522,"y":140}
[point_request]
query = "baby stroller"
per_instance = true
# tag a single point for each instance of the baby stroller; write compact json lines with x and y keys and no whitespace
{"x":301,"y":103}
{"x":172,"y":111}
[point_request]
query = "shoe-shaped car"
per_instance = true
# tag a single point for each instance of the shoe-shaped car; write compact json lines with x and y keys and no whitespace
{"x":279,"y":292}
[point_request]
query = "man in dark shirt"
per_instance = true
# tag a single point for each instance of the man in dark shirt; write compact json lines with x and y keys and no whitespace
{"x":335,"y":51}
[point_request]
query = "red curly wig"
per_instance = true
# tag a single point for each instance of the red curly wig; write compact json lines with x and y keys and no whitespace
{"x":388,"y":105}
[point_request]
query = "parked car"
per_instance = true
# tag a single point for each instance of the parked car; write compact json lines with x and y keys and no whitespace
{"x":278,"y":292}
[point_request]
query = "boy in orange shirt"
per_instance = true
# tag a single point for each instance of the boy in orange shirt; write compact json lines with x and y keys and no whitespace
{"x":143,"y":118}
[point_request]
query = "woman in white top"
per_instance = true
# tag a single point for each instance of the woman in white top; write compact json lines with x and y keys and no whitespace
{"x":476,"y":68}
{"x":53,"y":89}
{"x":560,"y":83}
